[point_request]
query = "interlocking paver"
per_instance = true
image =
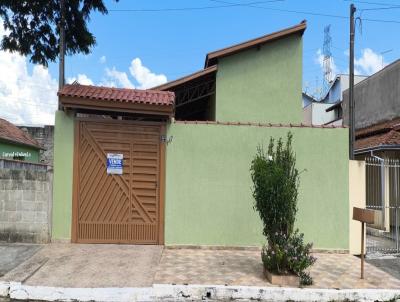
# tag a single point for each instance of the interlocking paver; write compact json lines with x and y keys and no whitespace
{"x":244,"y":267}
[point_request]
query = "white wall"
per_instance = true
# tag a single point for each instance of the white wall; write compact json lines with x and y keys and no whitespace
{"x":315,"y":114}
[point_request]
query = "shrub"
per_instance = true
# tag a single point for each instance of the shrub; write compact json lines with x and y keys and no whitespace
{"x":275,"y":191}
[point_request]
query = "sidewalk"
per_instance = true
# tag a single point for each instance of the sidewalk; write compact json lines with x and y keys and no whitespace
{"x":137,"y":273}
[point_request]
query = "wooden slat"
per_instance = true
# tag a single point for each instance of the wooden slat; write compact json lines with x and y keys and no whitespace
{"x":118,"y":208}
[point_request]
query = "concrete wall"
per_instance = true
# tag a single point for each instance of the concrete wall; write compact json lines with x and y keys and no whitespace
{"x":45,"y":136}
{"x":261,"y":85}
{"x":208,"y":190}
{"x":376,"y":98}
{"x":9,"y":151}
{"x":25,"y":205}
{"x":63,"y":175}
{"x":357,"y":196}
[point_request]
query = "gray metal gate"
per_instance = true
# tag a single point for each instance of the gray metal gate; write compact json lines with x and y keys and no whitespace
{"x":382,"y":196}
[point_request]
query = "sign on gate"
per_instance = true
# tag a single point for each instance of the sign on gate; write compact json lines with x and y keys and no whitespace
{"x":115,"y":163}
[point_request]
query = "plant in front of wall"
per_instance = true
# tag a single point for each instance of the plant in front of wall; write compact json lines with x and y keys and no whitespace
{"x":275,"y":191}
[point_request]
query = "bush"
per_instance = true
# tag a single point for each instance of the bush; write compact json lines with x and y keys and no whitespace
{"x":276,"y":181}
{"x":290,"y":255}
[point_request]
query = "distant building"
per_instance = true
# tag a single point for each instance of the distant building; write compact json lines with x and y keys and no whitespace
{"x":44,"y":135}
{"x":16,"y":144}
{"x":338,"y":86}
{"x":328,"y":110}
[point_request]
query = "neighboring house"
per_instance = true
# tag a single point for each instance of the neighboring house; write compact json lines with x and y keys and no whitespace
{"x":44,"y":135}
{"x":338,"y":86}
{"x":377,"y":113}
{"x":170,"y":165}
{"x":377,"y":140}
{"x":15,"y":144}
{"x":328,"y":111}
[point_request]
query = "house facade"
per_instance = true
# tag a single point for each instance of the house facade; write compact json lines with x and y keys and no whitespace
{"x":15,"y":144}
{"x":185,"y":148}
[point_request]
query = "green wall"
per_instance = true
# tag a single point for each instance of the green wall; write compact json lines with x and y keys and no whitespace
{"x":208,"y":190}
{"x":261,"y":85}
{"x":63,"y":174}
{"x":7,"y":148}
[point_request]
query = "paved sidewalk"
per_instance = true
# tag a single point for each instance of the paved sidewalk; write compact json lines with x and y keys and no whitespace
{"x":97,"y":266}
{"x":89,"y":265}
{"x":238,"y":267}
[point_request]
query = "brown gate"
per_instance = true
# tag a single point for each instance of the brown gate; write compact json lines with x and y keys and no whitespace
{"x":112,"y":208}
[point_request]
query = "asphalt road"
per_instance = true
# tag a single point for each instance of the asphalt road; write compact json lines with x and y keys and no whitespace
{"x":391,"y":266}
{"x":13,"y":254}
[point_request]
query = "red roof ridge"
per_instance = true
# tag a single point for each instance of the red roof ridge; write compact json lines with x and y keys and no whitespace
{"x":126,"y":95}
{"x":75,"y":84}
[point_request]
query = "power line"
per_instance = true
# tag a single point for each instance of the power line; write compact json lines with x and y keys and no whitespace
{"x":191,"y":8}
{"x":369,"y":2}
{"x":310,"y":13}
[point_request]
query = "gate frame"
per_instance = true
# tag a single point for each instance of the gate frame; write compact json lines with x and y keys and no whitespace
{"x":75,"y":181}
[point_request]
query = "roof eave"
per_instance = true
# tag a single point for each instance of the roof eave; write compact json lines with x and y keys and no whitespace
{"x":15,"y":142}
{"x":187,"y":78}
{"x":377,"y":148}
{"x":212,"y":57}
{"x":111,"y":106}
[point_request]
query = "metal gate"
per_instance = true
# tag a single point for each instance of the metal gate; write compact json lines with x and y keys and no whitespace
{"x":382,"y":196}
{"x":123,"y":207}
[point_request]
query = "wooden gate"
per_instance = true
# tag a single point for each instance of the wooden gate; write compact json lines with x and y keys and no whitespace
{"x":112,"y":208}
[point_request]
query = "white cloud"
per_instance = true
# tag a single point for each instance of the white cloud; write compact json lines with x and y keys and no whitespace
{"x":143,"y":75}
{"x":139,"y":74}
{"x":81,"y":79}
{"x":28,"y":95}
{"x":369,"y":62}
{"x":117,"y":78}
{"x":25,"y":97}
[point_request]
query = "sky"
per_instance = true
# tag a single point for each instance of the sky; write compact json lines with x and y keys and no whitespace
{"x":141,"y":44}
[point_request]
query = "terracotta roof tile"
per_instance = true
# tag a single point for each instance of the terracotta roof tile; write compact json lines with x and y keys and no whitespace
{"x":10,"y":132}
{"x":153,"y":97}
{"x":382,"y":134}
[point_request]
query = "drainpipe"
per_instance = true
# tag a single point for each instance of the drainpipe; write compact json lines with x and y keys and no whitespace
{"x":382,"y":162}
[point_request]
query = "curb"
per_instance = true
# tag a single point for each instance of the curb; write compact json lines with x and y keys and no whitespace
{"x":165,"y":292}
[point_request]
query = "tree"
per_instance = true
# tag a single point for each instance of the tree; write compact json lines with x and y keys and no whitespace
{"x":33,"y":27}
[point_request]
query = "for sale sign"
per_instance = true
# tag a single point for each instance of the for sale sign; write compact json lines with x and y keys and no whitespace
{"x":115,"y":163}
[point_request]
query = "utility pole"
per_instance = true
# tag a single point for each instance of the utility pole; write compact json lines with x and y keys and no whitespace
{"x":351,"y":85}
{"x":61,"y":75}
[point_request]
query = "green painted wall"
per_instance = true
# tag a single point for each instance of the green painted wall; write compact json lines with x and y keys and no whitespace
{"x":63,"y":175}
{"x":261,"y":85}
{"x":208,"y":190}
{"x":7,"y":149}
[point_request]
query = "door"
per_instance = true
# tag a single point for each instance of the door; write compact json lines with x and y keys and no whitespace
{"x":120,"y":204}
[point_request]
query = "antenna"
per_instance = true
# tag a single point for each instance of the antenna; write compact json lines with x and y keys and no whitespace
{"x":327,"y":69}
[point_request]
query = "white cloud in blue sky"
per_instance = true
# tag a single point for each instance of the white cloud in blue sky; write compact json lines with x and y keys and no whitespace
{"x":368,"y":63}
{"x":27,"y":95}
